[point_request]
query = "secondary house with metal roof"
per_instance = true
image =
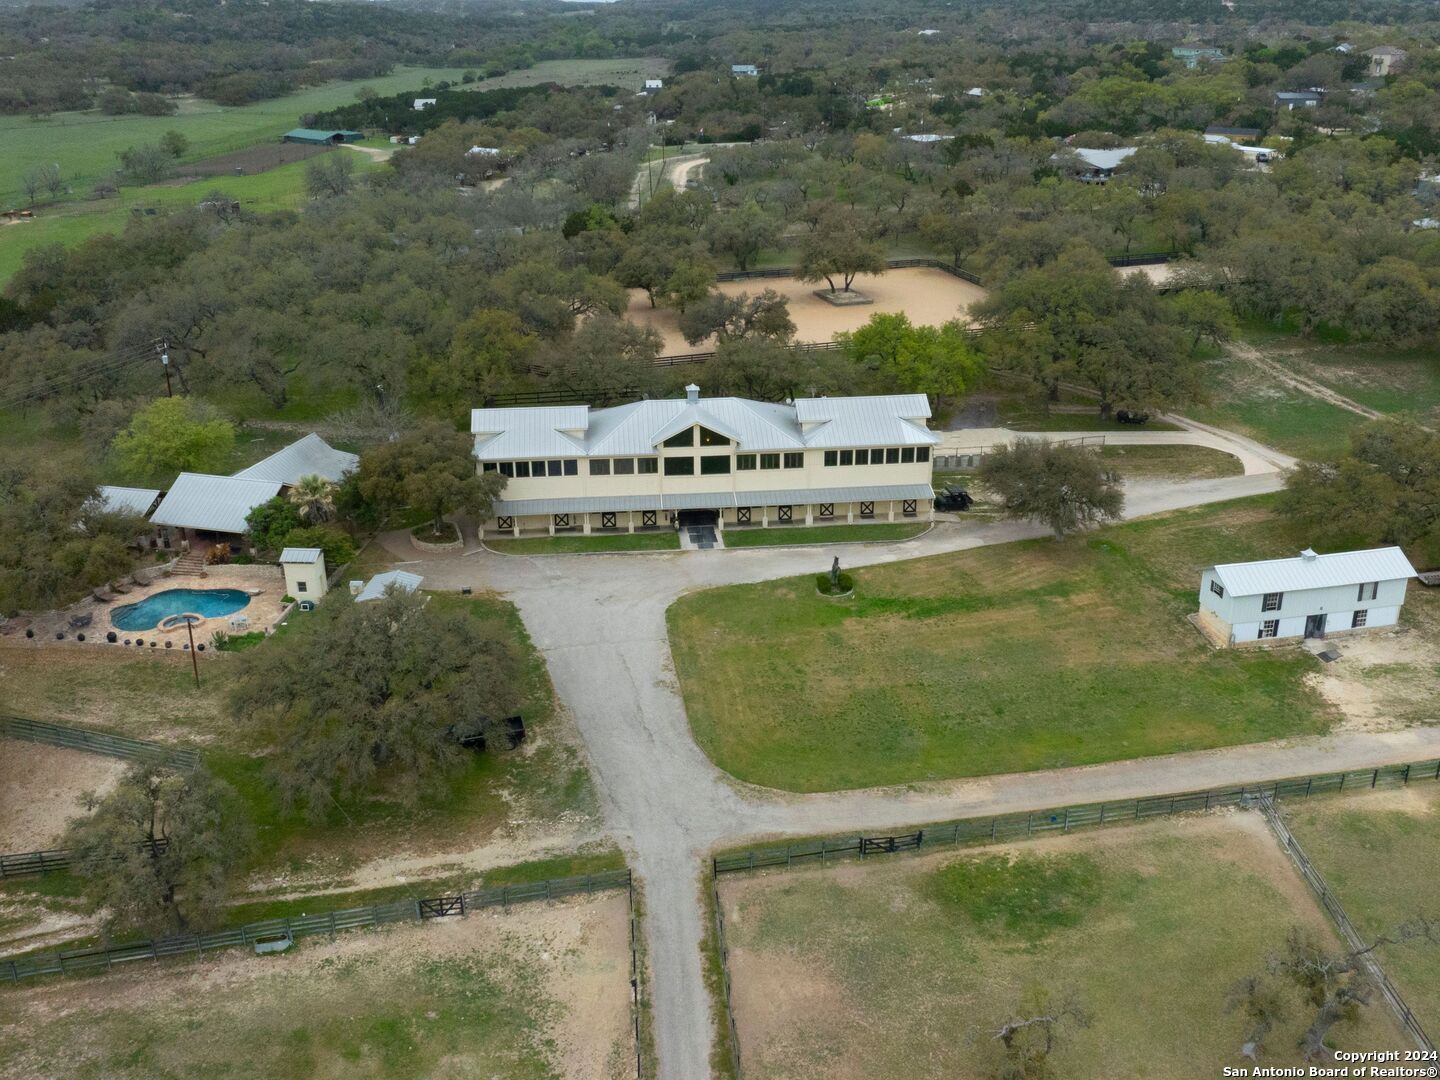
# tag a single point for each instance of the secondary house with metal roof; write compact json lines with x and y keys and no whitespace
{"x":1309,"y":596}
{"x":707,"y":461}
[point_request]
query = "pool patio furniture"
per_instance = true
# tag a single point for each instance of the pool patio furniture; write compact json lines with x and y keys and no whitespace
{"x":79,"y":622}
{"x":120,"y":587}
{"x":102,"y":594}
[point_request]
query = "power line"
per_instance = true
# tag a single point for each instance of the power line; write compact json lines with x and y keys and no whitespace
{"x":68,"y":380}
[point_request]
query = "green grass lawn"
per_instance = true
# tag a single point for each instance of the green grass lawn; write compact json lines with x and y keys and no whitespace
{"x":1007,"y":658}
{"x":70,"y":223}
{"x":84,"y":144}
{"x":905,"y":967}
{"x":1380,"y":854}
{"x":667,"y":540}
{"x":154,"y":697}
{"x":1396,"y":381}
{"x":523,"y":996}
{"x":1170,"y":462}
{"x":1026,"y":413}
{"x":824,"y":534}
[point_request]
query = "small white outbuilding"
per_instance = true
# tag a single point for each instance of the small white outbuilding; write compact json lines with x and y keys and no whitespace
{"x":1309,"y":596}
{"x":304,"y":573}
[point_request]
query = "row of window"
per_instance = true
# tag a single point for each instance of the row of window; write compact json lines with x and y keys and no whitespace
{"x":535,"y":469}
{"x":1272,"y":601}
{"x":893,"y":455}
{"x":1271,"y":627}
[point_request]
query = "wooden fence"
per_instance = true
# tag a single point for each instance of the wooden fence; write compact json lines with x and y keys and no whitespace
{"x":84,"y":960}
{"x":1006,"y":827}
{"x":1352,"y":937}
{"x":27,"y":863}
{"x":95,"y":742}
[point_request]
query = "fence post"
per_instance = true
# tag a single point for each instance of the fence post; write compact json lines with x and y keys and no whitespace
{"x":1405,"y":776}
{"x":1375,"y":778}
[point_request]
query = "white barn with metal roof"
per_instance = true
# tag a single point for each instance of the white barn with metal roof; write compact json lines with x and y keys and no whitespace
{"x":304,"y":569}
{"x":1309,"y":596}
{"x":723,"y":461}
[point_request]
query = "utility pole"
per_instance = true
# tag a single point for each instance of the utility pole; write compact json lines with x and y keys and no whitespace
{"x":165,"y":363}
{"x":194,"y":661}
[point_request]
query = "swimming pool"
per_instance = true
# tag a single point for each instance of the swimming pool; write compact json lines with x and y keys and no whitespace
{"x":148,"y":612}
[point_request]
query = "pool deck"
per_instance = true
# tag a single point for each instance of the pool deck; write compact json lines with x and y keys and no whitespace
{"x":263,"y":611}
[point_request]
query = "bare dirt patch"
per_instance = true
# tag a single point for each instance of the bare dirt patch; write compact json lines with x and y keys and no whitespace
{"x":540,"y":991}
{"x":41,"y":789}
{"x":928,"y":297}
{"x":1384,"y":677}
{"x":255,"y":159}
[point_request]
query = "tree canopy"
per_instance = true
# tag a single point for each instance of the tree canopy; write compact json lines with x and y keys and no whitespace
{"x":1062,"y":487}
{"x":173,"y":435}
{"x":431,"y":468}
{"x":377,"y":695}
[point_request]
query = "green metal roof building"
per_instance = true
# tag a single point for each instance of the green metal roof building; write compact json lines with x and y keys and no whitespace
{"x":318,"y":137}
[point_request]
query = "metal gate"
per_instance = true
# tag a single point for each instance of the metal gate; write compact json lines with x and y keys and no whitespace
{"x":440,"y":906}
{"x":872,"y":845}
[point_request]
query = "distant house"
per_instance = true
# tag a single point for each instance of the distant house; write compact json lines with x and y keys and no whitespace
{"x":927,"y":33}
{"x":744,"y":69}
{"x":1097,"y":166}
{"x":317,"y":137}
{"x":1427,"y":187}
{"x":1257,"y":154}
{"x":1386,"y":60}
{"x":136,"y":502}
{"x":1309,"y":596}
{"x":483,"y":151}
{"x":976,"y":92}
{"x":651,"y":85}
{"x":310,"y":456}
{"x":423,"y":103}
{"x":1195,"y":55}
{"x":927,"y":138}
{"x":1298,"y":99}
{"x":201,"y":507}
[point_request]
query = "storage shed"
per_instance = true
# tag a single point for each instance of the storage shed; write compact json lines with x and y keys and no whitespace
{"x":304,"y":572}
{"x":317,"y":137}
{"x":1310,"y":596}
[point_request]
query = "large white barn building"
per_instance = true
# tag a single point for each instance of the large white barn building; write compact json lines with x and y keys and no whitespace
{"x":717,"y":461}
{"x":1309,"y":596}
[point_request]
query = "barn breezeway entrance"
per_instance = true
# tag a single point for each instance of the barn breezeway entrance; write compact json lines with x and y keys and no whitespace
{"x":699,"y":528}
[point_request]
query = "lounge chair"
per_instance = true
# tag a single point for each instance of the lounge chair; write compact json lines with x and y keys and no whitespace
{"x":120,"y":587}
{"x":79,"y":622}
{"x":102,"y":594}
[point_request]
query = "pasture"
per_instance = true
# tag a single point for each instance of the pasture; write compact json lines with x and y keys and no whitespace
{"x":929,"y":297}
{"x":904,"y":967}
{"x":540,"y":993}
{"x":1380,"y":854}
{"x":1031,"y":655}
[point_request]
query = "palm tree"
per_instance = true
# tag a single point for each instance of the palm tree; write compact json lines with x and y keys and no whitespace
{"x":314,"y":497}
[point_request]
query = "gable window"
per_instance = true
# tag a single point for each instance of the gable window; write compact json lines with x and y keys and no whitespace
{"x":537,"y":468}
{"x":679,"y":466}
{"x":572,"y":467}
{"x":714,"y":464}
{"x":907,"y":455}
{"x":847,"y":457}
{"x":744,"y":462}
{"x":769,"y":461}
{"x":1217,"y":588}
{"x":795,"y":461}
{"x":1356,"y":621}
{"x":1272,"y":601}
{"x":1369,"y":590}
{"x":832,"y":457}
{"x":522,"y":469}
{"x":1270,"y":628}
{"x":862,"y":457}
{"x":682,"y":438}
{"x":647,"y":465}
{"x":892,"y":456}
{"x":508,"y":468}
{"x":922,"y":453}
{"x":599,"y":466}
{"x":712,"y":438}
{"x":624,"y":466}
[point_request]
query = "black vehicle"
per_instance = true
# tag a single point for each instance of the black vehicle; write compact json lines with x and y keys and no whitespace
{"x":954,"y":499}
{"x":1125,"y":416}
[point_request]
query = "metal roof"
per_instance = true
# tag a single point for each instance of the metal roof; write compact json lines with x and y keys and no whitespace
{"x":1311,"y":571}
{"x":714,"y":500}
{"x":1104,"y":159}
{"x":301,"y":555}
{"x":213,"y":503}
{"x":126,"y":500}
{"x":310,"y":456}
{"x":320,"y":135}
{"x":401,"y":579}
{"x":639,"y":427}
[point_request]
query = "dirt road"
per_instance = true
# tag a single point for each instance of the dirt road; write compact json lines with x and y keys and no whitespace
{"x":1281,"y":374}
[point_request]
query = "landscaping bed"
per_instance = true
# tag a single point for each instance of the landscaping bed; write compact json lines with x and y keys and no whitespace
{"x":906,"y":966}
{"x":1021,"y":656}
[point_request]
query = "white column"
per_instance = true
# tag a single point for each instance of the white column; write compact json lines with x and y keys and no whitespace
{"x":552,"y":524}
{"x":809,"y":514}
{"x":764,"y":517}
{"x":631,"y":526}
{"x":850,"y":514}
{"x":516,"y":527}
{"x":892,"y":509}
{"x":585,"y":525}
{"x":720,"y":522}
